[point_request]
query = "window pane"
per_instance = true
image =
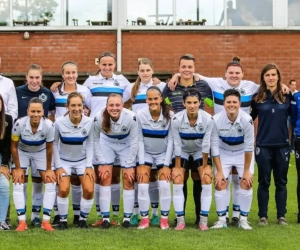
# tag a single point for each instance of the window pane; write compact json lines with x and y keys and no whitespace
{"x":294,"y":8}
{"x":88,"y":12}
{"x":198,"y":12}
{"x":4,"y":12}
{"x":35,"y":12}
{"x":149,"y":12}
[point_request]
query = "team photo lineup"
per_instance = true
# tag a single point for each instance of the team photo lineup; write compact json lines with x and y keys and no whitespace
{"x":109,"y":138}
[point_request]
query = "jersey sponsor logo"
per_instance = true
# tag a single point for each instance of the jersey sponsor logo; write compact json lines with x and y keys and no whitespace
{"x":83,"y":132}
{"x":174,"y":93}
{"x":66,"y":132}
{"x":97,"y":83}
{"x":43,"y":97}
{"x":23,"y":97}
{"x":223,"y":129}
{"x":257,"y":150}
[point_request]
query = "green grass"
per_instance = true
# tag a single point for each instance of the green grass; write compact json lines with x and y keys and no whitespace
{"x":270,"y":237}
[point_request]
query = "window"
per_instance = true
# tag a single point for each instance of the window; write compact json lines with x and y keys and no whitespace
{"x":293,"y":12}
{"x":149,"y":12}
{"x":4,"y":12}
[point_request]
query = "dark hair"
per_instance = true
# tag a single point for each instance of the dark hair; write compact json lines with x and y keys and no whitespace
{"x":235,"y":62}
{"x":136,"y":85}
{"x":106,"y":126}
{"x":262,"y":91}
{"x":35,"y":100}
{"x":232,"y":92}
{"x":104,"y":54}
{"x":164,"y":106}
{"x":187,"y":57}
{"x":191,"y":92}
{"x":72,"y":95}
{"x":293,"y":80}
{"x":62,"y":70}
{"x":2,"y":117}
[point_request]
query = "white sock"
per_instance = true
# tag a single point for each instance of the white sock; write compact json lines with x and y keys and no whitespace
{"x":144,"y":199}
{"x":206,"y":197}
{"x":128,"y":201}
{"x":49,"y":199}
{"x":97,"y":202}
{"x":115,"y":198}
{"x":85,"y":208}
{"x":76,"y":198}
{"x":37,"y":199}
{"x":19,"y":201}
{"x":136,"y":203}
{"x":221,"y":203}
{"x":154,"y":196}
{"x":25,"y":194}
{"x":236,"y":196}
{"x":246,"y":200}
{"x":55,"y":202}
{"x":63,"y":206}
{"x":104,"y":199}
{"x":165,"y":198}
{"x":178,"y":199}
{"x":229,"y":180}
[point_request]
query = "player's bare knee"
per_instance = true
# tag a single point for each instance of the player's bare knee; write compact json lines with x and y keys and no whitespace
{"x":63,"y":191}
{"x":244,"y":185}
{"x":178,"y":180}
{"x":88,"y":192}
{"x":127,"y":184}
{"x":206,"y":180}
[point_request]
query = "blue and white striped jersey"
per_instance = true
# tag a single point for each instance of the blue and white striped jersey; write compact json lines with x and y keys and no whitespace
{"x":61,"y":99}
{"x":191,"y":139}
{"x":73,"y":143}
{"x":102,"y":87}
{"x":155,"y":137}
{"x":218,"y":86}
{"x":28,"y":141}
{"x":235,"y":137}
{"x":140,"y":98}
{"x":123,"y":131}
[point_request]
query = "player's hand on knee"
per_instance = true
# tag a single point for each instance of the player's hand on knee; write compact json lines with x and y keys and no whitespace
{"x":164,"y":173}
{"x":141,"y":172}
{"x":89,"y":171}
{"x":219,"y":180}
{"x":60,"y":174}
{"x":247,"y":178}
{"x":205,"y":172}
{"x":50,"y":175}
{"x":104,"y":172}
{"x":178,"y":174}
{"x":129,"y":174}
{"x":18,"y":175}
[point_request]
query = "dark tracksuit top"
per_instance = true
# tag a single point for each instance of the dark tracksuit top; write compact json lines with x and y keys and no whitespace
{"x":5,"y":142}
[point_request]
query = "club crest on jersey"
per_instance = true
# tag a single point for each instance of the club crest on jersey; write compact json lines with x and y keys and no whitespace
{"x":43,"y":97}
{"x":257,"y":150}
{"x":200,"y":127}
{"x":83,"y":132}
{"x":242,"y":92}
{"x":42,"y":135}
{"x":163,"y":125}
{"x":116,"y":83}
{"x":123,"y":129}
{"x":240,"y":130}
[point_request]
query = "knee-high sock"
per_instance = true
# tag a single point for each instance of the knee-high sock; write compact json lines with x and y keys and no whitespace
{"x":104,"y":199}
{"x":128,"y":201}
{"x":136,"y":203}
{"x":76,"y":198}
{"x":18,"y":196}
{"x":63,"y":206}
{"x":25,"y":194}
{"x":55,"y":202}
{"x":236,"y":195}
{"x":115,"y":198}
{"x":85,"y":208}
{"x":165,"y":198}
{"x":49,"y":199}
{"x":197,"y":188}
{"x":178,"y":199}
{"x":246,"y":200}
{"x":37,"y":199}
{"x":221,"y":203}
{"x":229,"y":180}
{"x":97,"y":202}
{"x":154,"y":196}
{"x":206,"y":197}
{"x":144,"y":199}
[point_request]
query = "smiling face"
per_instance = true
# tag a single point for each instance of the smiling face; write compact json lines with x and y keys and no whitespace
{"x":154,"y":100}
{"x":107,"y":66}
{"x":145,"y":72}
{"x":192,"y":105}
{"x":114,"y":107}
{"x":234,"y":75}
{"x":70,"y":74}
{"x":35,"y":111}
{"x":232,"y":105}
{"x":186,"y":69}
{"x":75,"y":107}
{"x":34,"y":79}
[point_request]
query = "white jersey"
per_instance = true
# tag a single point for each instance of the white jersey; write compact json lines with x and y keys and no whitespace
{"x":123,"y":131}
{"x":73,"y":143}
{"x":155,"y":137}
{"x":235,"y":137}
{"x":28,"y":141}
{"x":102,"y":87}
{"x":140,"y":98}
{"x":218,"y":86}
{"x":8,"y":93}
{"x":61,"y":99}
{"x":191,"y":139}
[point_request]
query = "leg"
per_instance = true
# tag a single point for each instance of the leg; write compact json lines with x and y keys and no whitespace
{"x":297,"y":154}
{"x":134,"y":221}
{"x":99,"y":219}
{"x":37,"y":190}
{"x":154,"y":195}
{"x":128,"y":196}
{"x":235,"y":197}
{"x":115,"y":193}
{"x":4,"y":201}
{"x":63,"y":201}
{"x":76,"y":196}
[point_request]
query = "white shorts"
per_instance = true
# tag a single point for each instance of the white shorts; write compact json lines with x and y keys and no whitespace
{"x":71,"y":167}
{"x":155,"y":161}
{"x":236,"y":160}
{"x":116,"y":162}
{"x":196,"y":155}
{"x":37,"y":161}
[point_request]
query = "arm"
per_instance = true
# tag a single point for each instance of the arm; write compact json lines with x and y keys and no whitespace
{"x":49,"y":152}
{"x":170,"y":147}
{"x":254,"y":111}
{"x":55,"y":147}
{"x":12,"y":103}
{"x":97,"y":151}
{"x":141,"y":150}
{"x":176,"y":141}
{"x":54,"y":86}
{"x":131,"y":159}
{"x":89,"y":147}
{"x":206,"y":141}
{"x":14,"y":152}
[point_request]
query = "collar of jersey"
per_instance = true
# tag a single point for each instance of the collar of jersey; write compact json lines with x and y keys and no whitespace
{"x":63,"y":87}
{"x":71,"y":123}
{"x":119,"y":121}
{"x":148,"y":85}
{"x":149,"y":117}
{"x":186,"y":119}
{"x":237,"y":120}
{"x":102,"y":77}
{"x":28,"y":126}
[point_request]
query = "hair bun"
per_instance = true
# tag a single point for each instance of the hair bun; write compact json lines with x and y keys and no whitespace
{"x":236,"y":59}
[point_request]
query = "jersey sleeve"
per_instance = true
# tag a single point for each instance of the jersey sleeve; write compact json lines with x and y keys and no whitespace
{"x":133,"y":150}
{"x":207,"y":137}
{"x":248,"y":136}
{"x":141,"y":150}
{"x":7,"y":140}
{"x":254,"y":111}
{"x":12,"y":103}
{"x":15,"y":134}
{"x":293,"y":107}
{"x":208,"y":94}
{"x":52,"y":102}
{"x":50,"y":133}
{"x":166,"y":93}
{"x":254,"y":87}
{"x":89,"y":149}
{"x":98,"y":156}
{"x":126,"y":93}
{"x":176,"y":136}
{"x":88,"y":98}
{"x":214,"y":141}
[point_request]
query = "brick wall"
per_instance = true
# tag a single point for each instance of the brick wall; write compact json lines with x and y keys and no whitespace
{"x":212,"y":50}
